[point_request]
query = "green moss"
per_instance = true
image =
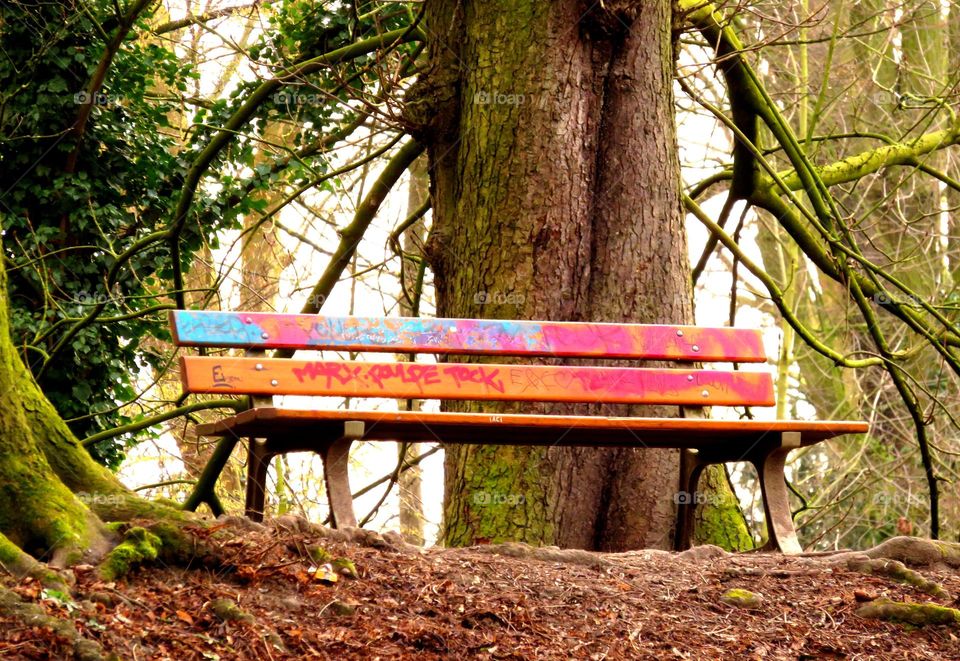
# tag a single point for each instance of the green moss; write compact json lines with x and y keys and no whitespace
{"x":341,"y":608}
{"x":138,"y":546}
{"x":345,"y":567}
{"x":949,"y":550}
{"x":719,"y":520}
{"x":741,"y":598}
{"x":896,"y":570}
{"x":10,"y":554}
{"x":503,"y":499}
{"x":319,"y":555}
{"x":228,"y":611}
{"x":910,"y":613}
{"x":33,"y":615}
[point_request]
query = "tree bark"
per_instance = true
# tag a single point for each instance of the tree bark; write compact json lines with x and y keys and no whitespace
{"x":409,"y":482}
{"x":40,"y":463}
{"x":556,"y":189}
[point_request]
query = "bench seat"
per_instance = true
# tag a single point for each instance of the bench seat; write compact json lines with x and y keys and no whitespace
{"x":309,"y":426}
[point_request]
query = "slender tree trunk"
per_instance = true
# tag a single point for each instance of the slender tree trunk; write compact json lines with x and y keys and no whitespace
{"x":410,"y":481}
{"x":556,"y":188}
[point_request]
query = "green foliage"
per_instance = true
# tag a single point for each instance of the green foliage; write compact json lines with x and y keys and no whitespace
{"x":74,"y":201}
{"x":88,"y":203}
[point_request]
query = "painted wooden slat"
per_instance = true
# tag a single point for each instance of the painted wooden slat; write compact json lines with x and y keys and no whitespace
{"x":487,"y":427}
{"x":476,"y":382}
{"x":465,"y":336}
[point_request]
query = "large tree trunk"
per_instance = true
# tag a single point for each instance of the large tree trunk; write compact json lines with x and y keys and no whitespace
{"x":53,"y":496}
{"x":40,"y":462}
{"x":556,"y":196}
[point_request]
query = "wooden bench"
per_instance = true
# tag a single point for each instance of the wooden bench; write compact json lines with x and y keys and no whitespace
{"x":330,"y":433}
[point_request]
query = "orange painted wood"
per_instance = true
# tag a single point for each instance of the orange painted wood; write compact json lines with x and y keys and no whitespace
{"x":623,"y":385}
{"x":493,"y":337}
{"x":311,"y":426}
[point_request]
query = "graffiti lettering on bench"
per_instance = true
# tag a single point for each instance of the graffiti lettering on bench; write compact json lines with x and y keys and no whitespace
{"x":383,"y":376}
{"x":343,"y":373}
{"x":418,"y":374}
{"x":474,"y":374}
{"x":220,"y":379}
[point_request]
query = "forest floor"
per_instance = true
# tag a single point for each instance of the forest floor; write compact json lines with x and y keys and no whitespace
{"x":283,"y":595}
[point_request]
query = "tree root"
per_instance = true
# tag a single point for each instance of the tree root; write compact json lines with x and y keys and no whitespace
{"x":33,"y":615}
{"x":138,"y":546}
{"x":907,"y":612}
{"x":911,"y":551}
{"x":545,"y":553}
{"x":896,"y":570}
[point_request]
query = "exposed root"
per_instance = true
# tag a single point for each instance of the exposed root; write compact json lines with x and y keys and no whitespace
{"x":545,"y":553}
{"x":19,"y":564}
{"x":228,"y":611}
{"x":906,"y":612}
{"x":33,"y":615}
{"x":138,"y":546}
{"x":126,"y":506}
{"x":387,"y":541}
{"x":911,"y":551}
{"x":897,"y":571}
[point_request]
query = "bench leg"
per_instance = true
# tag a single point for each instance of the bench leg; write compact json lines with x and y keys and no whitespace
{"x":335,"y":463}
{"x":690,"y":470}
{"x":258,"y":461}
{"x":782,"y":535}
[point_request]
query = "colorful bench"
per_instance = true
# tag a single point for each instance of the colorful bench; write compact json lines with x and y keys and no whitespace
{"x":330,"y":433}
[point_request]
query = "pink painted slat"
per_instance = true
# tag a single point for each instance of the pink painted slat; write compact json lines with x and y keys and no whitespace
{"x":467,"y":336}
{"x":487,"y":382}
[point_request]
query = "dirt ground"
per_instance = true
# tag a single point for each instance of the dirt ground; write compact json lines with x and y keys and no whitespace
{"x":284,"y":595}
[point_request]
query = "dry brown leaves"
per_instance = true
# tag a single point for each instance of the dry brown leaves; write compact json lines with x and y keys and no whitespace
{"x":470,"y":603}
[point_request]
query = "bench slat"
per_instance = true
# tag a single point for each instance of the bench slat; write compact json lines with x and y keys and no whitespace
{"x":465,"y":336}
{"x":510,"y":428}
{"x":624,"y":385}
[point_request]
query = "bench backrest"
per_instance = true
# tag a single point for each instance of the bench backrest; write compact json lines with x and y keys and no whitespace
{"x":484,"y":337}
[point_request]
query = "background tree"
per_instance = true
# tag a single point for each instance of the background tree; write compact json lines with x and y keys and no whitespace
{"x":868,"y":234}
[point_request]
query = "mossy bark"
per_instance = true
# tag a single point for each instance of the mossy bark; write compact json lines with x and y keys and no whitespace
{"x":41,"y":466}
{"x":556,"y":188}
{"x":720,"y":521}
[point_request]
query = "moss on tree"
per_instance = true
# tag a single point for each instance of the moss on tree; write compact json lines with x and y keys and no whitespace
{"x":138,"y":546}
{"x":719,"y":521}
{"x":54,"y":498}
